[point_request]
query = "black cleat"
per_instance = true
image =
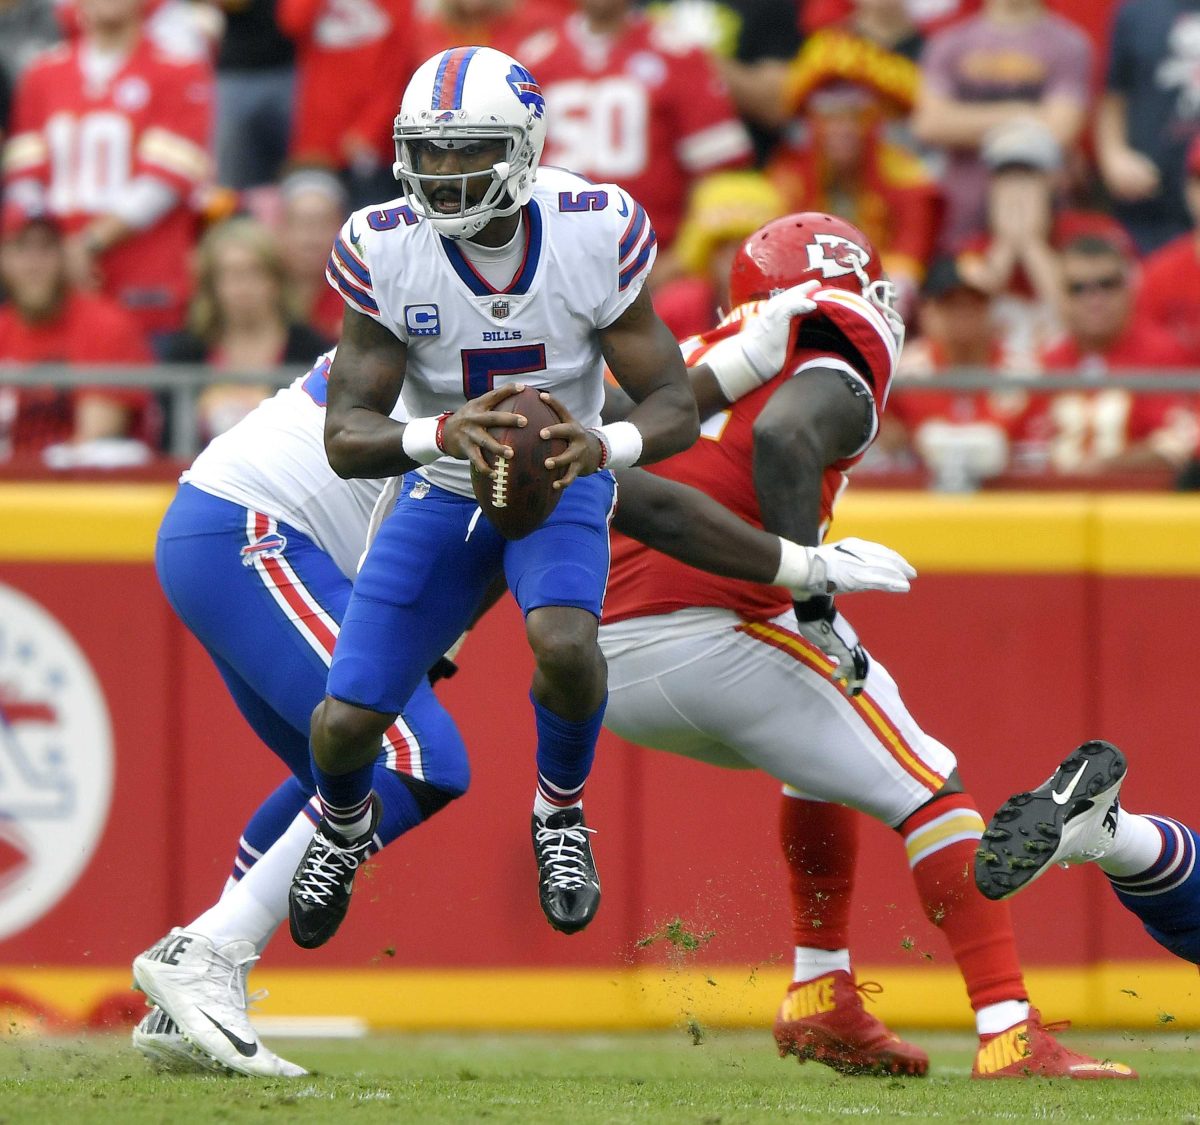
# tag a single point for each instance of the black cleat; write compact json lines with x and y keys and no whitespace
{"x":568,"y":885}
{"x":1070,"y":818}
{"x":320,"y":893}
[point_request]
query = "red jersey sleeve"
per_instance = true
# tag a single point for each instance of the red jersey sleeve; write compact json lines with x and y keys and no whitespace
{"x":174,"y":145}
{"x":711,"y":135}
{"x":296,"y":18}
{"x":26,"y":154}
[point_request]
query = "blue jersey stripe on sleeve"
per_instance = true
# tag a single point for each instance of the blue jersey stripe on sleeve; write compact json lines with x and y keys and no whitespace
{"x":633,"y":232}
{"x":350,"y":262}
{"x":348,"y":289}
{"x":639,"y":263}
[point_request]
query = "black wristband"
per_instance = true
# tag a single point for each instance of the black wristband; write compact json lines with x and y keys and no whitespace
{"x":817,"y":608}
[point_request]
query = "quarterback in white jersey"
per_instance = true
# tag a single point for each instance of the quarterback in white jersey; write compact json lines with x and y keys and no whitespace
{"x":534,"y":321}
{"x":483,"y":278}
{"x":256,"y":554}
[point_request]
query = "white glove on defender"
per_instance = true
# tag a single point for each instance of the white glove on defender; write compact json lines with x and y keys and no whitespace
{"x":836,"y":638}
{"x":843,"y":567}
{"x":744,"y":362}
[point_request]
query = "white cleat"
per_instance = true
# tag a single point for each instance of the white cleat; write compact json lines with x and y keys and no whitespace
{"x":1070,"y":818}
{"x":157,"y":1039}
{"x":203,"y":990}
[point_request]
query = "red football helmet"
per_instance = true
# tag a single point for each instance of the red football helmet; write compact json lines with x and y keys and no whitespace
{"x":811,"y":246}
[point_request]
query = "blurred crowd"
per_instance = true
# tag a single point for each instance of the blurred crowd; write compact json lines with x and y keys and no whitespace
{"x":174,"y":173}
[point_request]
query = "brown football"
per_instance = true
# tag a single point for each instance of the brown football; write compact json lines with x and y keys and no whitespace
{"x":519,"y":496}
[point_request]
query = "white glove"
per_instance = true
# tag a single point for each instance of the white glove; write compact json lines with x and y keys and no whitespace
{"x":745,"y":361}
{"x":836,"y":638}
{"x":843,"y":567}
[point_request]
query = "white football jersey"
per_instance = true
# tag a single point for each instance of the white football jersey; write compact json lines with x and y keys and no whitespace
{"x":589,"y":250}
{"x":273,"y":461}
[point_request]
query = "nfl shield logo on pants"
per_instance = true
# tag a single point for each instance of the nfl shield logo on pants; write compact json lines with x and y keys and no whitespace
{"x":499,"y":309}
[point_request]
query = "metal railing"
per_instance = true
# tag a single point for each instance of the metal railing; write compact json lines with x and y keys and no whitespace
{"x":182,"y":384}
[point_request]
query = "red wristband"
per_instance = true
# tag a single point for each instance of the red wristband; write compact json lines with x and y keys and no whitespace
{"x":603,"y":447}
{"x":441,"y":426}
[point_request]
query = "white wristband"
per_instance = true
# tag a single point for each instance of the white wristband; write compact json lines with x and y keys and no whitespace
{"x":795,"y":568}
{"x":419,"y":440}
{"x":734,"y":374}
{"x":623,"y":441}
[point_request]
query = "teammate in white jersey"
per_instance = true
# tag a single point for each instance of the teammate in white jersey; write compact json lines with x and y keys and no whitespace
{"x":482,"y":278}
{"x":257,"y":553}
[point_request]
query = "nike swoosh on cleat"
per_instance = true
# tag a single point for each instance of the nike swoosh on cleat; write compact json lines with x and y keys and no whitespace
{"x":246,"y":1050}
{"x":1062,"y":796}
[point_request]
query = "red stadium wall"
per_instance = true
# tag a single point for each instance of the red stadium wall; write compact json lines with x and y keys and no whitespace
{"x":1036,"y":623}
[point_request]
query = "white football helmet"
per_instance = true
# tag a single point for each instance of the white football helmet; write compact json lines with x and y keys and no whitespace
{"x":464,"y":96}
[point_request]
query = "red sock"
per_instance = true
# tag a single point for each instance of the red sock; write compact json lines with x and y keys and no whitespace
{"x":941,"y":839}
{"x":820,"y":845}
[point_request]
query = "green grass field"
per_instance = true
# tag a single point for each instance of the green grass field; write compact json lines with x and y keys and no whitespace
{"x":727,"y":1078}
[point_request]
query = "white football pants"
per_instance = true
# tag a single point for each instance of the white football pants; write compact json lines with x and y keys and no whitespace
{"x":756,"y":695}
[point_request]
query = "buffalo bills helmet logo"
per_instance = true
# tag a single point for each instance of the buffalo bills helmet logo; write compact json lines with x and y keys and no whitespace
{"x":526,"y":87}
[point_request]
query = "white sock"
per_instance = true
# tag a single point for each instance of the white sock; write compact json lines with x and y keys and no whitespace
{"x":991,"y":1019}
{"x":253,"y":908}
{"x":543,"y":808}
{"x":813,"y":963}
{"x":1136,"y":846}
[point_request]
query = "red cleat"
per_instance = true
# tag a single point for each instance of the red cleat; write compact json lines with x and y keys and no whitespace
{"x":1028,"y":1050}
{"x":824,"y":1020}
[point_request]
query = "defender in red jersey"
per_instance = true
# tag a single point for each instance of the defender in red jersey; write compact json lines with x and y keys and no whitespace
{"x":683,"y":646}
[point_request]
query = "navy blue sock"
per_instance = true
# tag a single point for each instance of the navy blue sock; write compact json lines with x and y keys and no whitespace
{"x":345,"y":797}
{"x":565,"y":752}
{"x":1166,"y":896}
{"x":269,"y":822}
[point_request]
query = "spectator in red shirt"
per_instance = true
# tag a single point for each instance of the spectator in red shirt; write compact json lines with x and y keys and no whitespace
{"x":47,"y":321}
{"x":962,"y":437}
{"x":628,"y":103}
{"x":724,"y":210}
{"x":347,"y":60}
{"x":1108,"y":429}
{"x":1169,"y":296}
{"x":844,"y":91}
{"x":927,"y":15}
{"x":489,"y":23}
{"x":110,"y":135}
